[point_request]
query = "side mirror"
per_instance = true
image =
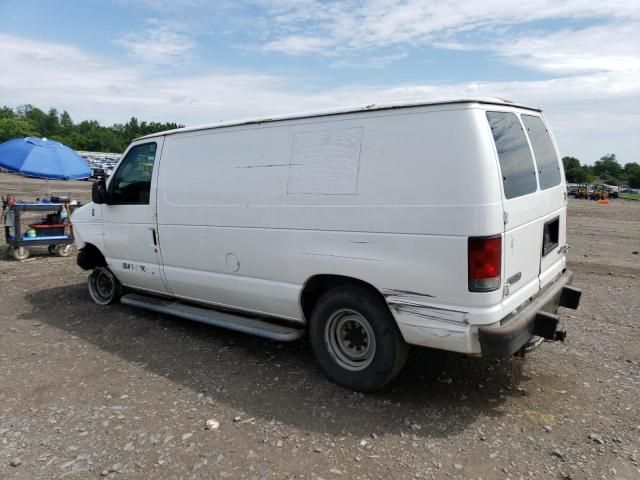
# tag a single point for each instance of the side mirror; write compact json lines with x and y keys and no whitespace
{"x":99,"y":191}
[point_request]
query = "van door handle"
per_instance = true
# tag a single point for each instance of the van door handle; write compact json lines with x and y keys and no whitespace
{"x":155,"y":240}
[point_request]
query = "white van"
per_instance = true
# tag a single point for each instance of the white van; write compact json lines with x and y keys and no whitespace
{"x":432,"y":224}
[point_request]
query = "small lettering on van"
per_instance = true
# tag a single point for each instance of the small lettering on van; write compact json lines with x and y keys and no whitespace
{"x":134,"y":267}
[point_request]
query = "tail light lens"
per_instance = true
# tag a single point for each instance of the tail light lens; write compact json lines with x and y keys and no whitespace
{"x":485,"y":259}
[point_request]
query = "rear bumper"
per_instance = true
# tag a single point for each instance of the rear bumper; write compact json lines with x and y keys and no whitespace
{"x":537,"y":318}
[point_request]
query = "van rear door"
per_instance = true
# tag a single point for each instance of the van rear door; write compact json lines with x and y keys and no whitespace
{"x":521,"y":203}
{"x":552,"y":198}
{"x":534,"y":202}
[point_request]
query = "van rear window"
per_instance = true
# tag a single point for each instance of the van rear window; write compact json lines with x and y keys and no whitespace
{"x":545,"y":153}
{"x":516,"y":162}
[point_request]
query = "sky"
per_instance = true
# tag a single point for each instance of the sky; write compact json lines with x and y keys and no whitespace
{"x":198,"y":61}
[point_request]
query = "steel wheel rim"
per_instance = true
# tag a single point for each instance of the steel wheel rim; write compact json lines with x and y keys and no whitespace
{"x":103,"y":285}
{"x":350,"y":339}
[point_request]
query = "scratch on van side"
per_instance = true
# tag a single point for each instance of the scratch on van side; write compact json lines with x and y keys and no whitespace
{"x":269,"y":165}
{"x":423,"y":313}
{"x":407,"y":303}
{"x":340,"y":256}
{"x":389,"y":292}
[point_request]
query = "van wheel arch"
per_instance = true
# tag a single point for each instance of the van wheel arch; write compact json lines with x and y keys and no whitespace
{"x":318,"y":285}
{"x":90,"y":257}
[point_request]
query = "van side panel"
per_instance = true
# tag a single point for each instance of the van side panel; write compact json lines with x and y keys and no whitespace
{"x":247,"y":214}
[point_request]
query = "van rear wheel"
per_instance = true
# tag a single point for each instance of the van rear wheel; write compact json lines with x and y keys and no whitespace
{"x":104,"y":287}
{"x":355,"y":339}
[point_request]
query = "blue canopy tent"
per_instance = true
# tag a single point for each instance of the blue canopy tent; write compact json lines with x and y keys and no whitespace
{"x":42,"y":158}
{"x":51,"y":160}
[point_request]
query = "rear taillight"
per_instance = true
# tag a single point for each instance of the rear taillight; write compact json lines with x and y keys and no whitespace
{"x":485,"y":258}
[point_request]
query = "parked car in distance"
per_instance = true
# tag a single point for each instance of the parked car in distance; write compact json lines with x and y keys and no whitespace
{"x":97,"y":172}
{"x":342,"y":226}
{"x":613,"y":191}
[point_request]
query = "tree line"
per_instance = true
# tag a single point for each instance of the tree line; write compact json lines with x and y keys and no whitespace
{"x":89,"y":135}
{"x":608,"y":169}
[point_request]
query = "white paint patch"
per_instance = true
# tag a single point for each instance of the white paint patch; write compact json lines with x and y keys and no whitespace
{"x":233,"y":263}
{"x":325,"y":162}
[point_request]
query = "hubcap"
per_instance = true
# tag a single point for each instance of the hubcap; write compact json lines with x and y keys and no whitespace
{"x":350,"y":339}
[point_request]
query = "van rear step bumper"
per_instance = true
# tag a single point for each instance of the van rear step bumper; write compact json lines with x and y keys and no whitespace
{"x":537,"y":318}
{"x":239,"y":323}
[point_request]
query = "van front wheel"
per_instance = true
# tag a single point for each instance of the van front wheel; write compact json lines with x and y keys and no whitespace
{"x":104,"y":287}
{"x":355,"y":339}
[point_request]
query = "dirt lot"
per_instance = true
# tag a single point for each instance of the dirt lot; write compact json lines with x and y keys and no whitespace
{"x":87,"y":391}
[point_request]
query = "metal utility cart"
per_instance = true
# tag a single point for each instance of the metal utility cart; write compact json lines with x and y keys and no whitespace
{"x":58,"y":236}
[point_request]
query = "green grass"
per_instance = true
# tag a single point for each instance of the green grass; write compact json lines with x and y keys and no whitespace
{"x":634,"y":196}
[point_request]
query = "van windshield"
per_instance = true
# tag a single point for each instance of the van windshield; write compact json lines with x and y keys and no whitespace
{"x":544,"y":151}
{"x":514,"y":154}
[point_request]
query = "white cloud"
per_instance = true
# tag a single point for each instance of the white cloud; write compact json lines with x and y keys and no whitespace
{"x":298,"y":45}
{"x":352,"y":32}
{"x":370,"y":62}
{"x":160,"y":43}
{"x":613,"y":47}
{"x":357,"y":25}
{"x":591,"y":112}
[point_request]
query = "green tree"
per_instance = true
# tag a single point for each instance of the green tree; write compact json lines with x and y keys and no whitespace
{"x":52,"y":123}
{"x":7,"y":112}
{"x":65,"y":121}
{"x":16,"y":127}
{"x":131,"y":129}
{"x":589,"y":176}
{"x":576,"y":173}
{"x":632,"y":172}
{"x":571,"y":166}
{"x":28,"y":120}
{"x":608,"y":168}
{"x":36,"y":117}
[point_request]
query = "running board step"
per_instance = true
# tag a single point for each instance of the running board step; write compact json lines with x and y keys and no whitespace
{"x":217,"y":318}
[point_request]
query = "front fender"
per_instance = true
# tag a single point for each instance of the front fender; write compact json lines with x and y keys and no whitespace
{"x":87,"y":226}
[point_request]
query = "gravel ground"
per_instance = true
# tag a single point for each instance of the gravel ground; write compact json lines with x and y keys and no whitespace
{"x":92,"y":392}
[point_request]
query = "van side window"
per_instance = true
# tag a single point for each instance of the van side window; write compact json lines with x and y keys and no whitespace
{"x":131,"y":184}
{"x":516,"y":162}
{"x":545,"y":153}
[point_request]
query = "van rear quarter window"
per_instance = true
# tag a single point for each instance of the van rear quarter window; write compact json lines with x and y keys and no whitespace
{"x":516,"y":162}
{"x":545,"y":153}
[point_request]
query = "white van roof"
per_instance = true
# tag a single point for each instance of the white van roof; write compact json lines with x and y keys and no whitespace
{"x":337,"y":111}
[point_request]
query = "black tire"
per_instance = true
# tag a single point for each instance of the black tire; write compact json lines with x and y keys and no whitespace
{"x":104,"y":287}
{"x":349,"y":318}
